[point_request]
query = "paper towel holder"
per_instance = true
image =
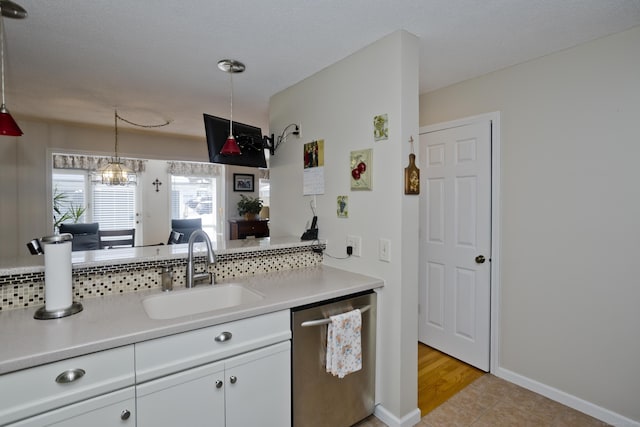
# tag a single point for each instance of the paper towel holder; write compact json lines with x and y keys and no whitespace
{"x":42,"y":313}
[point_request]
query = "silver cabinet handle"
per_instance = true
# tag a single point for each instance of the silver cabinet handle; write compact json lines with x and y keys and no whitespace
{"x":218,"y":384}
{"x":327,"y":321}
{"x":225,"y":336}
{"x":233,"y":379}
{"x":125,"y":414}
{"x":70,"y":376}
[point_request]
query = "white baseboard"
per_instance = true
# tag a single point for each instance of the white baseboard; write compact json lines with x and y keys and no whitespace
{"x":409,"y":420}
{"x":567,"y":399}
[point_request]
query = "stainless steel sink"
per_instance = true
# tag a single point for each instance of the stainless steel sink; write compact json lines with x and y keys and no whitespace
{"x":198,"y":300}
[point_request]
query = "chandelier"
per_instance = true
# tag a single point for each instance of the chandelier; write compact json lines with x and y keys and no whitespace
{"x":116,"y":172}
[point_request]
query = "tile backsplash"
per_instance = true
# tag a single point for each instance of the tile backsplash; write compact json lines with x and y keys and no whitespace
{"x":27,"y":290}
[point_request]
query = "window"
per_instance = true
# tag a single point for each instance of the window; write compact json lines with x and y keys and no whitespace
{"x":264,"y":191}
{"x":77,"y":199}
{"x":114,"y":206}
{"x":196,"y":197}
{"x":69,"y":197}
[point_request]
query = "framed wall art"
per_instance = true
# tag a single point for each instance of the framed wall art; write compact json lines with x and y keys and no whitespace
{"x":361,"y":163}
{"x":243,"y":182}
{"x":380,"y":127}
{"x":343,"y":207}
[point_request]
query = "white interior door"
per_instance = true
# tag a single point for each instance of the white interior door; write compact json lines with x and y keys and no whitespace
{"x":455,"y":241}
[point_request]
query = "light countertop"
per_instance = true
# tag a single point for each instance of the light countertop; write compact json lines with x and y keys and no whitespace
{"x":113,"y":321}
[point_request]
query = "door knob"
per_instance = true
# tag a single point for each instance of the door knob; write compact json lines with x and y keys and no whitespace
{"x":233,"y":379}
{"x":480,"y":259}
{"x":218,"y":384}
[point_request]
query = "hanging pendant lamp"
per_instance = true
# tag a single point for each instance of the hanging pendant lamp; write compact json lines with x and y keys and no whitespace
{"x":231,"y":66}
{"x":8,"y":125}
{"x":115,"y":172}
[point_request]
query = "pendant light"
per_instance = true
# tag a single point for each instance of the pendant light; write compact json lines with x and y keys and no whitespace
{"x":8,"y":125}
{"x":231,"y":66}
{"x":115,"y":172}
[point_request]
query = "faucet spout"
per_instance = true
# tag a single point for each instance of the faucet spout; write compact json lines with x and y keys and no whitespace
{"x":192,"y":277}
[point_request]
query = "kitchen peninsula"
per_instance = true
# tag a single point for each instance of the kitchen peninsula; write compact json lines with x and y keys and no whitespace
{"x":252,"y":339}
{"x":113,"y":282}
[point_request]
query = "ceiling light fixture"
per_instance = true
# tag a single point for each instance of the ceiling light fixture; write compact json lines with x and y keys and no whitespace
{"x":12,"y":10}
{"x":115,"y":172}
{"x":8,"y":125}
{"x":231,"y":66}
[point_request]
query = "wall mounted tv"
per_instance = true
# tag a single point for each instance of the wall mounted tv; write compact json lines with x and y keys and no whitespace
{"x":249,"y":139}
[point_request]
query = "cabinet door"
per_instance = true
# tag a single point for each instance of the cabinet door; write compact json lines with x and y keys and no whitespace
{"x":116,"y":409}
{"x":193,"y":398}
{"x":258,"y":387}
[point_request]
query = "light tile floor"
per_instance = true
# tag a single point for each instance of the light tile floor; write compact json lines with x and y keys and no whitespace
{"x":491,"y":401}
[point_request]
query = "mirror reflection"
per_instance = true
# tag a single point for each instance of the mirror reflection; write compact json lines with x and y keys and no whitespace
{"x":102,"y":216}
{"x":30,"y":184}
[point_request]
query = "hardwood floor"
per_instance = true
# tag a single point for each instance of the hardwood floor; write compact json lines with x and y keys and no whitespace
{"x":440,"y":376}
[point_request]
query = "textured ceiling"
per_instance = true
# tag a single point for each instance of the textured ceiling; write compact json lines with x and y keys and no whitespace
{"x":76,"y":60}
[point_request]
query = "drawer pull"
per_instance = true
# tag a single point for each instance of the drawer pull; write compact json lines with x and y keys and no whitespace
{"x":125,"y":414}
{"x":70,"y":376}
{"x":225,"y":336}
{"x":233,"y":379}
{"x":218,"y":384}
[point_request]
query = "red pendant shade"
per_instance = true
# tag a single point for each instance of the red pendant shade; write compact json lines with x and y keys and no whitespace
{"x":230,"y":147}
{"x":8,"y":126}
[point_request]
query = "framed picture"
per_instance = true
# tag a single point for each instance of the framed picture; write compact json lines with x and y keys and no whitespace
{"x":361,"y":163}
{"x":243,"y":182}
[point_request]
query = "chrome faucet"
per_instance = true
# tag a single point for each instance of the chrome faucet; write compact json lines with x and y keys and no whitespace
{"x":192,"y":277}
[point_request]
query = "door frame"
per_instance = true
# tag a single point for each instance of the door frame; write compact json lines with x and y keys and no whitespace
{"x":494,"y":117}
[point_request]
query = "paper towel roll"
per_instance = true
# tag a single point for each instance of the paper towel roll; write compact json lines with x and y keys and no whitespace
{"x":58,"y":290}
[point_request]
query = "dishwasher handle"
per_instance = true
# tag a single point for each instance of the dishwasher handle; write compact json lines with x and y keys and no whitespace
{"x":319,"y":322}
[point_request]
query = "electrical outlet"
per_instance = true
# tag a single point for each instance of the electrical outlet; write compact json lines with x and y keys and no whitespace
{"x":355,"y":242}
{"x":384,"y":250}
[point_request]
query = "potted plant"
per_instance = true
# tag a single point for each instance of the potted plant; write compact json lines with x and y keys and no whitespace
{"x":72,"y":212}
{"x":249,"y":207}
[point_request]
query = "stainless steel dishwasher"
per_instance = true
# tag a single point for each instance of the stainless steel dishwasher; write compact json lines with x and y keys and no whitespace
{"x":320,"y":399}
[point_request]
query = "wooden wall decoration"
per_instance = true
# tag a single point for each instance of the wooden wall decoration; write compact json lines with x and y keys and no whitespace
{"x":411,"y":174}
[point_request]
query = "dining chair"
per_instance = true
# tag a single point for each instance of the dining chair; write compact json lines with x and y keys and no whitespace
{"x":185,"y":227}
{"x":85,"y":235}
{"x":117,"y":238}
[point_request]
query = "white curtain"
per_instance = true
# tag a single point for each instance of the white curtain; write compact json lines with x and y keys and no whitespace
{"x":93,"y":163}
{"x":194,"y":169}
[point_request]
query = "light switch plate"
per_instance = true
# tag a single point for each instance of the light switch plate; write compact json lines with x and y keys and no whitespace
{"x":384,"y":250}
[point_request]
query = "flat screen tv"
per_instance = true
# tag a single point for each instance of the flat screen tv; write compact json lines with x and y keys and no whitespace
{"x":249,"y":139}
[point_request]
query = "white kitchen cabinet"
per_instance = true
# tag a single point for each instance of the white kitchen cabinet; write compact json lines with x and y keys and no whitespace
{"x":116,"y":409}
{"x":258,"y":388}
{"x":236,"y":374}
{"x":245,"y":390}
{"x":189,"y":398}
{"x":61,"y":389}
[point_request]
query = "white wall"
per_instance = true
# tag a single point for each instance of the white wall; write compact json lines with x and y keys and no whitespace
{"x":338,"y":105}
{"x":570,"y":216}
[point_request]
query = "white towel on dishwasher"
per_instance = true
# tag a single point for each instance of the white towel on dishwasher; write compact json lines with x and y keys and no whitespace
{"x":344,"y":343}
